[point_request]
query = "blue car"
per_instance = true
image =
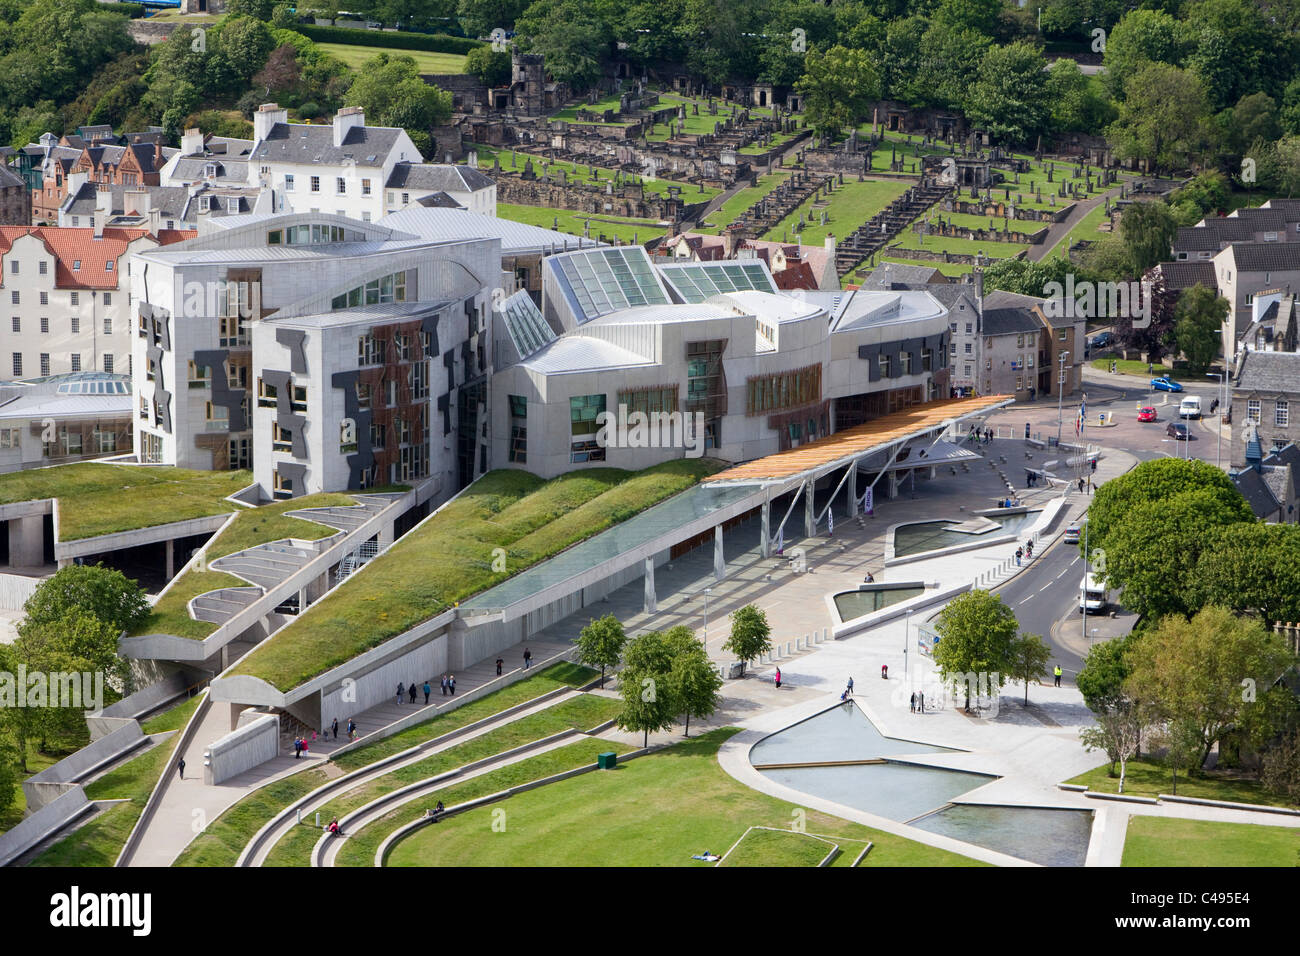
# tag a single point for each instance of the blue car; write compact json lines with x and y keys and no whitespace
{"x":1165,"y":385}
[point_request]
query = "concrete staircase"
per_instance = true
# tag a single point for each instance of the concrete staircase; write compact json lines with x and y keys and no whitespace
{"x":346,"y":518}
{"x":876,"y":233}
{"x":218,"y":607}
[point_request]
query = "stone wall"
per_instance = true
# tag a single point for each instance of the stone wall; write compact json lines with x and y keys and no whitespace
{"x":150,"y":32}
{"x":629,"y":200}
{"x":992,"y":234}
{"x":831,"y":162}
{"x":15,"y":205}
{"x":1000,"y":209}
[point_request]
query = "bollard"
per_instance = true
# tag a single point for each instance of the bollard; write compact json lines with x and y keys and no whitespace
{"x":317,"y":819}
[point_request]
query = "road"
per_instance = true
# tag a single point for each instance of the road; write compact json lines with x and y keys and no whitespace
{"x":1043,"y":595}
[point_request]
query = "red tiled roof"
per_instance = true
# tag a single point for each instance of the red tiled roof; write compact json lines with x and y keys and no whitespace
{"x":70,"y":246}
{"x":799,"y":276}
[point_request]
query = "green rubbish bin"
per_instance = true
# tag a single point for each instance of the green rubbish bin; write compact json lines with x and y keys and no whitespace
{"x":606,"y":761}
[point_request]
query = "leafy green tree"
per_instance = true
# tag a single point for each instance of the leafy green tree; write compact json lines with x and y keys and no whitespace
{"x":1208,"y":675}
{"x":1254,"y":117}
{"x":838,"y":88}
{"x":1252,"y":568}
{"x":646,"y":686}
{"x":1077,"y":103}
{"x":571,"y":35}
{"x":8,"y":775}
{"x":257,"y":9}
{"x":903,"y":74}
{"x":980,"y":16}
{"x":243,"y":43}
{"x":480,"y":17}
{"x":600,"y":644}
{"x":695,"y":680}
{"x":719,"y":39}
{"x":1197,"y":329}
{"x":492,"y":67}
{"x":52,"y":46}
{"x":1233,"y":49}
{"x":1117,"y":732}
{"x":1148,"y":229}
{"x":951,"y":56}
{"x":391,"y":92}
{"x":1029,"y":657}
{"x":1279,"y":773}
{"x":1105,"y":668}
{"x":104,"y":593}
{"x":1207,"y":192}
{"x":977,"y":636}
{"x":1164,"y":119}
{"x":1289,"y":115}
{"x":1140,"y":38}
{"x":751,"y":635}
{"x":781,"y":59}
{"x":1009,"y":97}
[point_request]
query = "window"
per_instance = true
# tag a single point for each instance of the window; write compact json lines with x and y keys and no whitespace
{"x":378,"y":435}
{"x":341,"y":186}
{"x":299,"y":402}
{"x":370,"y":350}
{"x":583,"y":411}
{"x":403,"y":341}
{"x":315,"y":184}
{"x":76,"y":265}
{"x":1252,"y":409}
{"x":1282,"y":414}
{"x":765,"y":393}
{"x":518,"y":406}
{"x":1061,"y":336}
{"x":886,"y":363}
{"x":106,"y":441}
{"x":18,"y":324}
{"x":267,"y":395}
{"x":71,"y":442}
{"x":968,"y":348}
{"x":966,"y":370}
{"x":363,"y":397}
{"x":74,"y":299}
{"x":10,"y":437}
{"x":108,"y":265}
{"x":387,"y":289}
{"x":365,"y":216}
{"x":288,"y":183}
{"x":108,"y":326}
{"x":13,"y":266}
{"x":1020,"y":383}
{"x":906,"y":361}
{"x":18,"y":364}
{"x":232,"y":331}
{"x":76,"y":324}
{"x":347,"y":436}
{"x":42,"y":267}
{"x":15,"y":298}
{"x":281,"y":486}
{"x":365,"y":187}
{"x":45,"y":324}
{"x":952,"y":348}
{"x":418,"y":380}
{"x":406,"y":199}
{"x":108,"y":362}
{"x":236,"y":375}
{"x":76,"y":361}
{"x":281,"y":438}
{"x":217,"y":417}
{"x":45,"y":363}
{"x":45,"y":298}
{"x":927,"y":360}
{"x":200,"y":376}
{"x":968,"y":328}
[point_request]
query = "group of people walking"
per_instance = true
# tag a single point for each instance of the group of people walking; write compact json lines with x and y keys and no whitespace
{"x":918,"y":703}
{"x":447,"y":681}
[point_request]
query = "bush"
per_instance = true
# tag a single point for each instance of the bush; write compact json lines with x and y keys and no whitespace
{"x":432,"y":43}
{"x":310,"y":111}
{"x":133,"y":10}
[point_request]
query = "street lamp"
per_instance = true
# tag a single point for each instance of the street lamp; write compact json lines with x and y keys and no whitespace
{"x":1060,"y":393}
{"x":707,"y":592}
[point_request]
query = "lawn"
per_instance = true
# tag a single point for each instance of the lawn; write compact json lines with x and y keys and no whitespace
{"x":581,"y":713}
{"x":850,"y":205}
{"x":97,"y":499}
{"x":356,"y":56}
{"x":99,"y":842}
{"x":781,"y":848}
{"x":250,"y":528}
{"x":1161,"y":841}
{"x":731,"y":210}
{"x":624,"y":230}
{"x":657,"y":810}
{"x":225,"y":838}
{"x":1087,"y":229}
{"x":1145,"y":778}
{"x":450,"y":556}
{"x":361,"y":846}
{"x":1135,"y":367}
{"x":581,"y":172}
{"x":907,"y":239}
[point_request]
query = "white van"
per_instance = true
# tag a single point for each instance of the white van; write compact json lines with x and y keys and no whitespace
{"x":1190,"y":407}
{"x":1093,"y":597}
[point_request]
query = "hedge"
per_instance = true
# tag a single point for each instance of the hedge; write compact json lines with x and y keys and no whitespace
{"x":133,"y":10}
{"x":432,"y":43}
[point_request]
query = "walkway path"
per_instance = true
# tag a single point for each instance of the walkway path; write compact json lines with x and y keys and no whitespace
{"x":1059,"y":230}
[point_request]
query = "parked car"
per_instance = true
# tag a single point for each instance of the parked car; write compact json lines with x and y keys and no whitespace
{"x":1147,"y":414}
{"x":1165,"y":384}
{"x":1072,"y":532}
{"x":1102,"y":340}
{"x":1190,"y":407}
{"x":1177,"y":431}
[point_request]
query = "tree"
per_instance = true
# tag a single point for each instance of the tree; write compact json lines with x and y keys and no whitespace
{"x":257,"y":9}
{"x":480,"y":17}
{"x":1118,"y":732}
{"x":8,"y":776}
{"x":1076,"y":102}
{"x":1197,"y":328}
{"x":838,"y":88}
{"x":1290,"y":113}
{"x":1029,"y":657}
{"x":903,"y":74}
{"x":646,"y":686}
{"x":572,"y":36}
{"x":492,"y":67}
{"x":1208,"y":675}
{"x":751,"y":635}
{"x":600,"y":644}
{"x":281,"y":71}
{"x":1255,"y":117}
{"x":1181,"y":746}
{"x":391,"y":92}
{"x":1009,"y":97}
{"x":950,"y":58}
{"x":101,"y":592}
{"x":1140,"y":38}
{"x":696,"y":683}
{"x":977,"y":636}
{"x":1148,"y":229}
{"x":1279,"y":773}
{"x":1105,"y":668}
{"x":1164,"y":119}
{"x":1251,"y":568}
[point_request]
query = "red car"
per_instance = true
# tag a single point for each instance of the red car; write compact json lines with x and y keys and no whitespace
{"x":1146,"y":414}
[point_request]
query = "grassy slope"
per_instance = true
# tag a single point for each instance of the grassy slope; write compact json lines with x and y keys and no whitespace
{"x":850,"y":206}
{"x":580,"y":713}
{"x":252,"y":527}
{"x":225,"y":838}
{"x":428,"y":62}
{"x":1155,"y":841}
{"x":1146,"y":779}
{"x":97,"y":499}
{"x":780,"y":848}
{"x":507,"y":509}
{"x":654,"y":811}
{"x":624,"y":230}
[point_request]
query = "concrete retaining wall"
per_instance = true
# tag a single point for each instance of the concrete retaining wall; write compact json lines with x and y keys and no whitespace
{"x":43,"y":824}
{"x":130,"y":709}
{"x":252,"y":744}
{"x":43,"y":788}
{"x":367,"y":690}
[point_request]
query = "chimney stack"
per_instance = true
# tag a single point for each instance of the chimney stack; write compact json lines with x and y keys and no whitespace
{"x":267,"y":115}
{"x":192,"y":142}
{"x":344,"y":120}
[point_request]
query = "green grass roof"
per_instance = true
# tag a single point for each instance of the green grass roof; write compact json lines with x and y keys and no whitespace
{"x":96,"y":499}
{"x":450,"y":557}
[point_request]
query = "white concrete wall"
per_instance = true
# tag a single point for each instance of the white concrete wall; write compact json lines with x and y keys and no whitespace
{"x":420,"y":663}
{"x":242,"y":749}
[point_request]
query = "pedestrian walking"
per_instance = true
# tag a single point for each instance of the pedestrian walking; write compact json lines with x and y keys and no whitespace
{"x":912,"y":708}
{"x":451,"y":684}
{"x":920,"y":702}
{"x":1057,"y":674}
{"x":1019,"y":553}
{"x":851,"y":683}
{"x":500,"y":664}
{"x":305,"y":748}
{"x":412,"y":692}
{"x":181,"y":767}
{"x":1080,"y":486}
{"x":528,"y":658}
{"x":297,"y":747}
{"x":352,"y":728}
{"x":778,"y":678}
{"x":427,"y":691}
{"x":335,"y":728}
{"x":401,"y":689}
{"x":444,"y":685}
